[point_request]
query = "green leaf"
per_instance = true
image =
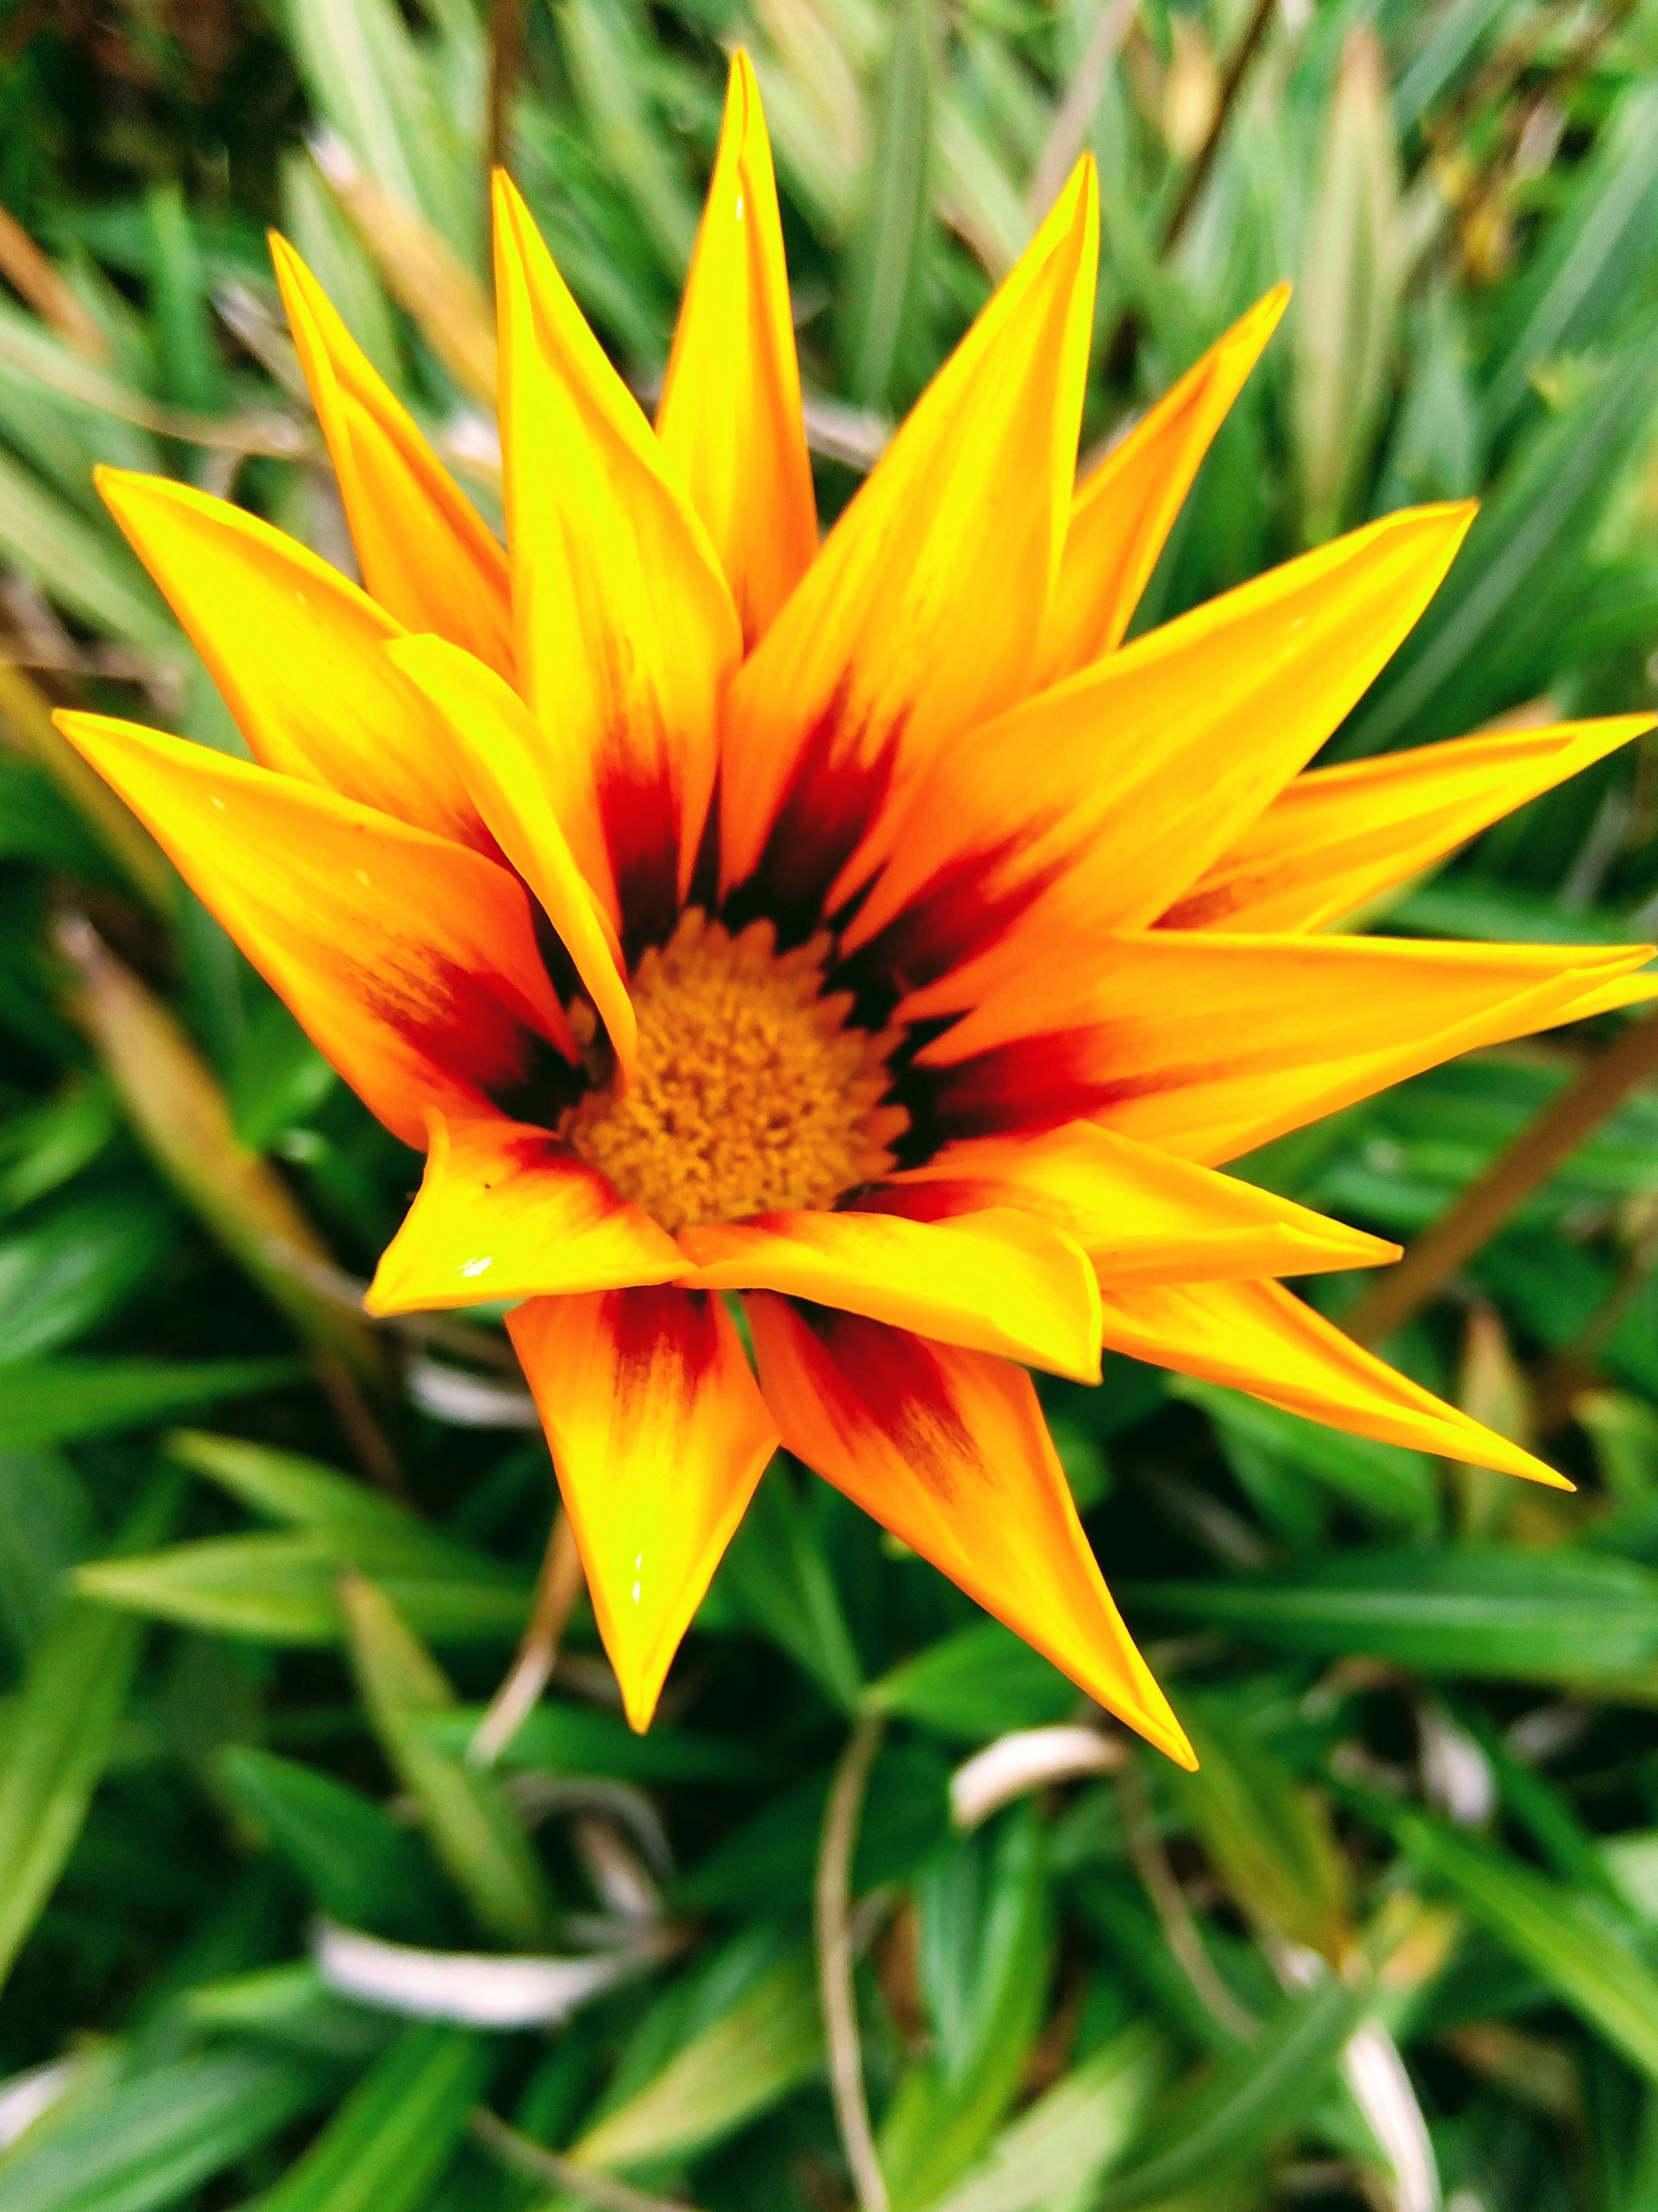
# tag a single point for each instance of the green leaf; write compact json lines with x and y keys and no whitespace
{"x":291,"y":2005}
{"x":362,"y":1868}
{"x":774,"y":1577}
{"x":393,"y":2137}
{"x":1242,"y":2101}
{"x":152,"y":2136}
{"x":1542,"y":1616}
{"x":889,"y":243}
{"x":284,"y":1589}
{"x":1267,"y":1834}
{"x":87,"y":572}
{"x":760,"y":2050}
{"x":58,"y":1738}
{"x":1569,"y":1942}
{"x":983,"y":1960}
{"x":71,"y":1267}
{"x":982,"y":1681}
{"x":772,"y":1856}
{"x":1389,"y":1484}
{"x":1070,"y":2134}
{"x":52,"y":1401}
{"x":1347,"y":299}
{"x":1484,"y":641}
{"x":468,"y":1817}
{"x":574,"y":1739}
{"x":1597,"y":260}
{"x":47,"y":1524}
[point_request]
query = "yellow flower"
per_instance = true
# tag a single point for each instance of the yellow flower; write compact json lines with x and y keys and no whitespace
{"x":862,"y":928}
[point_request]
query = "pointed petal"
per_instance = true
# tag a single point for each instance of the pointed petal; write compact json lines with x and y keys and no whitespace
{"x":1126,"y":507}
{"x":1141,"y":1216}
{"x":1338,"y":836}
{"x":523,"y":786}
{"x":1086,"y":807}
{"x":658,"y":1435}
{"x":729,"y":421}
{"x":947,"y":1449}
{"x":999,"y":1281}
{"x":1257,"y":1338}
{"x":1608,"y":999}
{"x":298,"y":652}
{"x":1206,"y":1046}
{"x":921,"y":615}
{"x":626,"y":631}
{"x":409,"y":963}
{"x":505,"y":1211}
{"x":426,"y":553}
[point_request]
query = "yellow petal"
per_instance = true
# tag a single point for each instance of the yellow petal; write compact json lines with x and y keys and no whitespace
{"x":1259,"y":1339}
{"x":505,"y":1211}
{"x":658,"y":1435}
{"x":999,"y":1281}
{"x":1089,"y":806}
{"x":729,"y":421}
{"x":1141,"y":1216}
{"x":1126,"y":507}
{"x":522,"y":785}
{"x":1608,"y":999}
{"x":921,"y":615}
{"x":426,"y":553}
{"x":1206,"y":1046}
{"x":947,"y":1450}
{"x":626,"y":629}
{"x":298,"y":652}
{"x":1334,"y":838}
{"x":409,"y":963}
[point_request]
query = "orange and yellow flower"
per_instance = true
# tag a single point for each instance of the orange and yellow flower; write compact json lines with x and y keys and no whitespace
{"x":862,"y":928}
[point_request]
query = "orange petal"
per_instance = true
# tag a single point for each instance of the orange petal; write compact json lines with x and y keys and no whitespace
{"x":948,"y":1450}
{"x":729,"y":421}
{"x":658,"y":1435}
{"x":426,"y":553}
{"x":1089,"y":806}
{"x":921,"y":613}
{"x":410,"y":963}
{"x":999,"y":1281}
{"x":1259,"y":1339}
{"x":522,"y":785}
{"x":1335,"y":838}
{"x":1141,"y":1216}
{"x":1125,"y":508}
{"x":1206,"y":1046}
{"x":505,"y":1211}
{"x":298,"y":652}
{"x":626,"y":629}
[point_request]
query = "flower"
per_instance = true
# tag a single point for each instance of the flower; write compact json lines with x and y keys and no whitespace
{"x":864,"y":929}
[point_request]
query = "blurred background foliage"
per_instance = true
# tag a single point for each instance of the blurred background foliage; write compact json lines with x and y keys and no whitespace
{"x":1396,"y":1944}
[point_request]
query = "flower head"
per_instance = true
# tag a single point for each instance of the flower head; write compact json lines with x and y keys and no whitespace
{"x":861,"y":928}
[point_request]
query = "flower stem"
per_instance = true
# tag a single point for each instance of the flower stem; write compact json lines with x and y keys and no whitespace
{"x":834,"y":1956}
{"x":1510,"y":1181}
{"x":602,"y":2190}
{"x":556,"y":1591}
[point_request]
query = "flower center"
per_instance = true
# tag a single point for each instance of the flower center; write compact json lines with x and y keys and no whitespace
{"x":751,"y":1094}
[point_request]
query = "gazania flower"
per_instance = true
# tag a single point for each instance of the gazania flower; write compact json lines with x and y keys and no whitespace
{"x":859,"y":929}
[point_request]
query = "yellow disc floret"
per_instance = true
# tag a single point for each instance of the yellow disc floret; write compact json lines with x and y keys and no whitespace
{"x":751,"y":1093}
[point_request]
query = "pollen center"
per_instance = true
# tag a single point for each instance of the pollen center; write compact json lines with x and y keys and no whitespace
{"x":751,"y":1093}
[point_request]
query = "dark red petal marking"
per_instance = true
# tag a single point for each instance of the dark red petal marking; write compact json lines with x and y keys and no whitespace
{"x":639,"y":812}
{"x":897,"y":1381}
{"x":1037,"y":1083}
{"x":834,"y":792}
